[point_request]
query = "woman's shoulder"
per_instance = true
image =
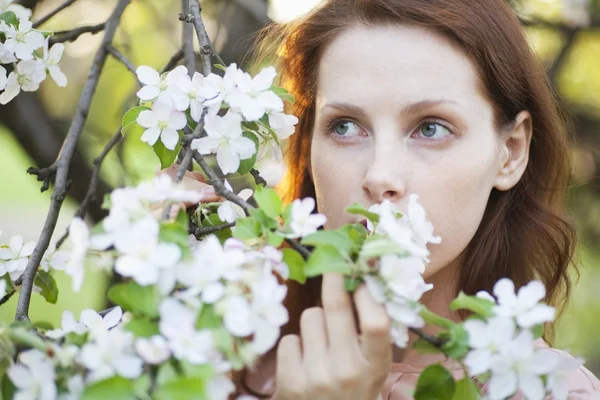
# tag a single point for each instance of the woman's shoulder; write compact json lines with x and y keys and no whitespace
{"x":577,"y":380}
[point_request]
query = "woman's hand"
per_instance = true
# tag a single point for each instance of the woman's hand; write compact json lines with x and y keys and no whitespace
{"x":193,"y":181}
{"x":329,"y":360}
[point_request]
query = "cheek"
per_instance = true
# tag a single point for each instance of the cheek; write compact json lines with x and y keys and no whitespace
{"x":455,"y":202}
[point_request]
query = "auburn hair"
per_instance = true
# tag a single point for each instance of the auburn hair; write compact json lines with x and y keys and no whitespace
{"x":525,"y":233}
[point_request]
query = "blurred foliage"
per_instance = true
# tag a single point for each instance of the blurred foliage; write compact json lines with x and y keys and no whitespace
{"x":150,"y":34}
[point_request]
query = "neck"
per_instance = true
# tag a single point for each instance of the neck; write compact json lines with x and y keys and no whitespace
{"x":437,"y":300}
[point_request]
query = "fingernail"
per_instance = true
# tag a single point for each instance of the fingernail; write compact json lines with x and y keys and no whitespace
{"x":208,"y":190}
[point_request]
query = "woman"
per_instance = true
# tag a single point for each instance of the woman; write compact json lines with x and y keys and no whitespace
{"x":444,"y":99}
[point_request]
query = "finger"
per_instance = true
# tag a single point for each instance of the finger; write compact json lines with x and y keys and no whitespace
{"x":375,"y":327}
{"x":340,"y":322}
{"x":290,"y":379}
{"x":314,"y":336}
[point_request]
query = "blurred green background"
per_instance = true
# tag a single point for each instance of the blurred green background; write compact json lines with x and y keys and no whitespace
{"x":565,"y":34}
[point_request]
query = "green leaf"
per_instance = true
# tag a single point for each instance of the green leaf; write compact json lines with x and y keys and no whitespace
{"x":538,"y":331}
{"x":479,"y":306}
{"x":466,"y":389}
{"x":176,"y":232}
{"x":295,"y":263}
{"x":458,"y":343}
{"x":359,"y":209}
{"x":135,"y":298}
{"x":141,"y":386}
{"x":351,"y":283}
{"x":8,"y":388}
{"x":214,"y":220}
{"x":131,"y":117}
{"x":332,"y":238}
{"x":378,"y":245}
{"x":142,"y":327}
{"x":208,"y":318}
{"x":274,"y":239}
{"x":246,"y":228}
{"x":114,"y":388}
{"x":106,"y":201}
{"x":435,"y":383}
{"x":43,"y":325}
{"x":247,"y":164}
{"x":283,"y":94}
{"x":356,"y":233}
{"x":166,"y":373}
{"x":46,"y":282}
{"x":182,"y":389}
{"x":10,"y":18}
{"x":326,"y":259}
{"x":263,"y":219}
{"x":432,"y":318}
{"x":269,"y":201}
{"x":424,"y":347}
{"x":221,"y":67}
{"x":46,"y":34}
{"x":167,"y":157}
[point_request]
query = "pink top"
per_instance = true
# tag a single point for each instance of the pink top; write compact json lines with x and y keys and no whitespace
{"x":402,"y":379}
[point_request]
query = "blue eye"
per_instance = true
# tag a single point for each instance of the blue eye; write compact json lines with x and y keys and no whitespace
{"x":430,"y":129}
{"x":344,"y":128}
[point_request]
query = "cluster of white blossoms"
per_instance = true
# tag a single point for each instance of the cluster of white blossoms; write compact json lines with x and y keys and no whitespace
{"x":26,"y":49}
{"x":240,"y":111}
{"x":395,"y":262}
{"x":505,"y":346}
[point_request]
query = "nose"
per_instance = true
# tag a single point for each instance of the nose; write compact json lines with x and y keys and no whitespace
{"x":383,"y":179}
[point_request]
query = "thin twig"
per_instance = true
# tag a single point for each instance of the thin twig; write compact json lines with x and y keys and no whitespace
{"x":73,"y":34}
{"x":433,"y":340}
{"x":64,"y":160}
{"x":203,"y":39}
{"x":188,"y":40}
{"x":124,"y":60}
{"x":53,"y":13}
{"x":207,"y":230}
{"x":7,"y":296}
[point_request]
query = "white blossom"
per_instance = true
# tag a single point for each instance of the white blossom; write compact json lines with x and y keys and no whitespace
{"x":525,"y":306}
{"x":519,"y":366}
{"x":303,"y":221}
{"x":75,"y":388}
{"x":98,"y":325}
{"x":191,"y":94}
{"x":224,"y":137}
{"x":284,"y":126}
{"x":27,"y":76}
{"x":163,"y":188}
{"x":417,"y":220}
{"x":154,"y":350}
{"x":557,"y":382}
{"x":23,"y":40}
{"x":6,"y":57}
{"x":228,"y":211}
{"x":177,"y":325}
{"x":68,"y":325}
{"x":486,"y":339}
{"x":269,"y":313}
{"x":111,"y":353}
{"x":3,"y":77}
{"x":33,"y":376}
{"x":144,"y":258}
{"x":14,"y":258}
{"x":237,"y":315}
{"x":216,"y":88}
{"x":253,"y":97}
{"x":159,"y":87}
{"x":162,"y":122}
{"x":51,"y":59}
{"x":3,"y":286}
{"x":20,"y":11}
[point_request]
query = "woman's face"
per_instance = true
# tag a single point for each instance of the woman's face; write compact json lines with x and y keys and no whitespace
{"x":399,"y":110}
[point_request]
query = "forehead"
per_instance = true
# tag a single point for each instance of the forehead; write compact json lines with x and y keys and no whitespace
{"x":396,"y":64}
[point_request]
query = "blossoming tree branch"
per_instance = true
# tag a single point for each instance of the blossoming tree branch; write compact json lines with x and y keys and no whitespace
{"x":202,"y":288}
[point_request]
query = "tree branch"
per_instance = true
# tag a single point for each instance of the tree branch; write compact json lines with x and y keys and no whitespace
{"x":188,"y":40}
{"x":64,"y":160}
{"x":53,"y":13}
{"x":207,"y":230}
{"x":124,"y":60}
{"x":73,"y":34}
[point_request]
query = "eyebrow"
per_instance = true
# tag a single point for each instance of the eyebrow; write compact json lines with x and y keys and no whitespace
{"x":413,"y":108}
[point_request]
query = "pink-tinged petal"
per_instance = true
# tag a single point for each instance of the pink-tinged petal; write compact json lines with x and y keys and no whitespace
{"x":148,"y":93}
{"x":113,"y":318}
{"x":169,"y":137}
{"x":147,"y":119}
{"x":148,"y":75}
{"x":151,"y":136}
{"x":264,"y":79}
{"x":227,"y":161}
{"x":243,"y":146}
{"x":59,"y":77}
{"x":177,"y":120}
